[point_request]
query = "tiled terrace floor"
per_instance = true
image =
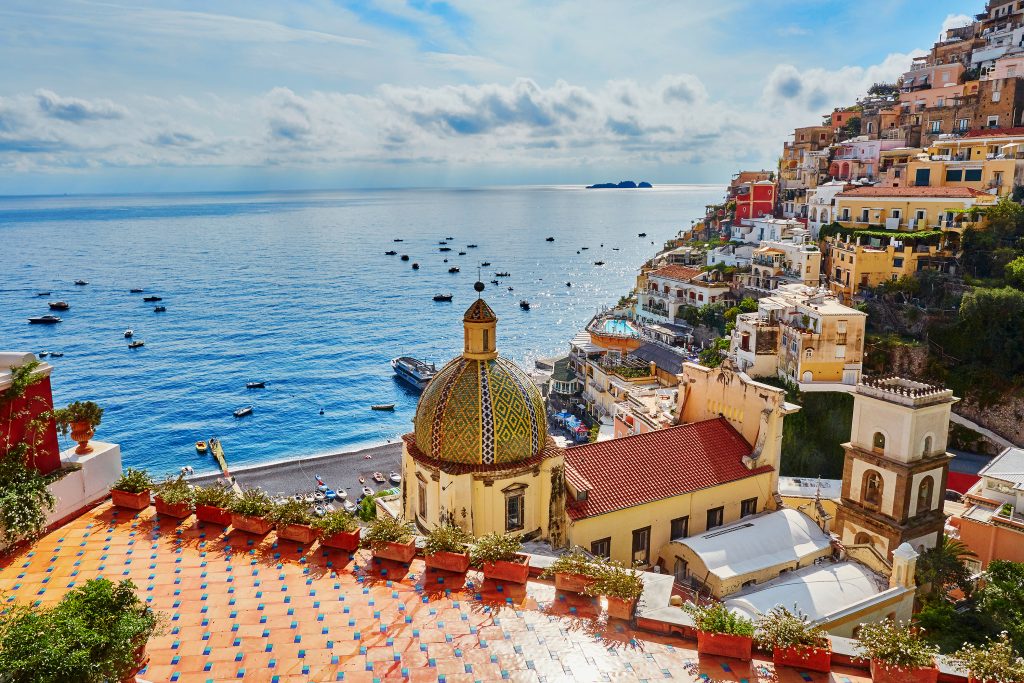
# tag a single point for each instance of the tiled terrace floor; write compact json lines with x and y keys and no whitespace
{"x":246,"y":608}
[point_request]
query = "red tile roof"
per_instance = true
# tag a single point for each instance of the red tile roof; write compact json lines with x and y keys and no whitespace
{"x":994,"y":133}
{"x":647,"y":467}
{"x":950,"y":192}
{"x":677,"y":272}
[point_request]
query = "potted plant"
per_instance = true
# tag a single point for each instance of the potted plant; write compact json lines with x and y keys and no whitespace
{"x":794,"y":641}
{"x":898,"y":653}
{"x":446,"y":548}
{"x":174,"y":498}
{"x":391,"y":539}
{"x":721,"y":632}
{"x":621,"y":587}
{"x":97,"y":632}
{"x":339,"y":530}
{"x":82,"y":418}
{"x":499,"y":557}
{"x":293,"y":521}
{"x":994,"y":662}
{"x":131,"y":491}
{"x":249,"y":512}
{"x":574,"y":571}
{"x":213,"y":504}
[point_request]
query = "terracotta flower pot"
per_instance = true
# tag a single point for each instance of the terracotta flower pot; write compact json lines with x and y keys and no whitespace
{"x":804,"y":658}
{"x":300,"y":533}
{"x":177,"y":510}
{"x":130,"y":501}
{"x":450,"y":562}
{"x":343,"y":540}
{"x":141,"y":660}
{"x":883,"y":673}
{"x":725,"y":645}
{"x":213,"y":515}
{"x":399,"y":552}
{"x":82,"y":432}
{"x":573,"y":583}
{"x":516,"y":571}
{"x":252,"y":525}
{"x":620,"y":608}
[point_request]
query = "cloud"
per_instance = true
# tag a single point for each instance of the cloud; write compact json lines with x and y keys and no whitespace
{"x":955,"y":21}
{"x":77,"y":110}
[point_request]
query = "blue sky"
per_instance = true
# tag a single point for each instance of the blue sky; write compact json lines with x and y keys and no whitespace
{"x":256,"y":94}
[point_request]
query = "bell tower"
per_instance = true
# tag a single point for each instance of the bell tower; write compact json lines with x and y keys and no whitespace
{"x":894,"y":474}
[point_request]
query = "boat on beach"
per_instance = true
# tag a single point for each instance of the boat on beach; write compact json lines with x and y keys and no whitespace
{"x":379,"y":477}
{"x":414,"y":371}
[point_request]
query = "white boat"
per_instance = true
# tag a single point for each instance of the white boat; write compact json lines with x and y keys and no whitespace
{"x":379,"y":477}
{"x":415,"y":372}
{"x":129,"y":333}
{"x":367,"y":491}
{"x":243,"y":411}
{"x":395,"y":478}
{"x":349,"y":506}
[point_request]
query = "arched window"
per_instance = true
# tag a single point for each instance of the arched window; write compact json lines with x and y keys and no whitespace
{"x":924,"y":495}
{"x":862,"y":538}
{"x":927,"y":449}
{"x":872,"y":487}
{"x":878,"y":441}
{"x":809,"y":352}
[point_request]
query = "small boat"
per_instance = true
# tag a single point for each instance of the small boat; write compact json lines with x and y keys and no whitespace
{"x":243,"y":411}
{"x":319,"y":510}
{"x":415,"y":266}
{"x":44,"y":320}
{"x":379,"y":477}
{"x":151,"y":299}
{"x":398,"y":239}
{"x":138,"y":343}
{"x":136,"y":290}
{"x":568,"y":284}
{"x":443,"y":243}
{"x":43,"y":354}
{"x":200,"y":446}
{"x":349,"y":506}
{"x":471,"y":246}
{"x":308,"y":498}
{"x":405,"y":257}
{"x":445,"y":249}
{"x":446,"y":260}
{"x":511,"y":289}
{"x":58,"y":305}
{"x":449,"y":237}
{"x":81,"y":283}
{"x":485,"y":263}
{"x":395,"y":478}
{"x":339,"y":495}
{"x":56,"y":354}
{"x":462,"y":253}
{"x":524,"y":304}
{"x":453,"y":269}
{"x":255,"y":385}
{"x":319,"y":496}
{"x":362,"y":480}
{"x":584,"y":248}
{"x":495,"y":282}
{"x":42,"y":294}
{"x":159,"y":309}
{"x":383,"y":406}
{"x":503,"y":273}
{"x":598,"y":263}
{"x":642,"y":234}
{"x":615,"y":248}
{"x":391,"y":252}
{"x":129,"y":333}
{"x":443,"y":297}
{"x":367,"y":491}
{"x":297,"y":497}
{"x":550,"y":239}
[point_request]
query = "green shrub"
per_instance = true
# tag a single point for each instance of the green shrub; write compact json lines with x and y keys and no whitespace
{"x":383,"y":530}
{"x":446,"y":538}
{"x":336,"y":522}
{"x":994,"y":662}
{"x":252,"y":503}
{"x":716,"y":618}
{"x":895,"y":643}
{"x":175,"y":491}
{"x":575,"y":562}
{"x":291,"y":512}
{"x":214,"y":495}
{"x":79,"y":411}
{"x":495,"y":547}
{"x":133,"y":481}
{"x":780,"y":628}
{"x":616,"y":581}
{"x":24,"y":497}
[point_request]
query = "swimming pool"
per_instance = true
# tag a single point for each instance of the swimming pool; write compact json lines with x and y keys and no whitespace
{"x":620,"y":327}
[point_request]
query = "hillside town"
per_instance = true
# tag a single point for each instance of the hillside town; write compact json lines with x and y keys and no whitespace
{"x":782,"y":454}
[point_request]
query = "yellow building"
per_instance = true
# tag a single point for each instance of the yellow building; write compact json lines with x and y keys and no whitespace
{"x":480,"y":456}
{"x":907,"y":209}
{"x":988,"y":161}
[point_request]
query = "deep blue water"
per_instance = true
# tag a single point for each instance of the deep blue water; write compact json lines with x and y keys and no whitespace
{"x":295,"y":289}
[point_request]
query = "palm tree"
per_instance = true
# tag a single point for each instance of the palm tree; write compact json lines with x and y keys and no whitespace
{"x":943,"y":567}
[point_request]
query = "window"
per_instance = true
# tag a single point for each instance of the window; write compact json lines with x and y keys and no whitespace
{"x":963,"y":124}
{"x":841,"y":351}
{"x":924,"y":495}
{"x":679,"y":570}
{"x":936,"y":126}
{"x":993,"y":121}
{"x":514,"y":511}
{"x":421,"y":497}
{"x":927,"y":450}
{"x":920,"y":214}
{"x":940,"y":102}
{"x":863,"y":215}
{"x":602,"y":548}
{"x":897,"y":263}
{"x":896,"y":213}
{"x":846,"y":214}
{"x":872,"y":487}
{"x":878,"y":441}
{"x":715,"y":517}
{"x":487,"y":341}
{"x":954,"y":175}
{"x":972,"y":175}
{"x":680,"y":527}
{"x":642,"y":545}
{"x":808,"y":353}
{"x":862,"y":538}
{"x":748,"y":507}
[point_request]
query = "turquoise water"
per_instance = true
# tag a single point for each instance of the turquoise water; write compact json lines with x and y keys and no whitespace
{"x":622,"y":327}
{"x":294,"y":289}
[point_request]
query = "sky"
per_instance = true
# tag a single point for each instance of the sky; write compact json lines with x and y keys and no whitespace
{"x":190,"y":95}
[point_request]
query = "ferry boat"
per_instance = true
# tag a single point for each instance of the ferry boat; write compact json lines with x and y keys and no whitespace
{"x":416,"y":372}
{"x":58,"y":305}
{"x":44,"y":320}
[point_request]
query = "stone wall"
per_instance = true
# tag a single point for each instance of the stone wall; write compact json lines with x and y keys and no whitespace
{"x":1005,"y":418}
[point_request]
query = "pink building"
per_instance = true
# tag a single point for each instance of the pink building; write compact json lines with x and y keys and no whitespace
{"x":859,"y":158}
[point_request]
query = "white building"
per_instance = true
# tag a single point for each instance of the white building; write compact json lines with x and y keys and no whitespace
{"x":759,"y":229}
{"x":779,"y":262}
{"x":671,"y":289}
{"x":821,"y":203}
{"x":736,"y":255}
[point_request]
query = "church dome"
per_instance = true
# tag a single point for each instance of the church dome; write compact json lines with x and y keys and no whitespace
{"x":481,"y":409}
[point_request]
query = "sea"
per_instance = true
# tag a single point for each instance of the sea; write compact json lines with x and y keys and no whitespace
{"x":294,"y":289}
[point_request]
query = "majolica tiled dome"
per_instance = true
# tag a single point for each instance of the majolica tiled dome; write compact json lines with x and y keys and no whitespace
{"x":481,"y":411}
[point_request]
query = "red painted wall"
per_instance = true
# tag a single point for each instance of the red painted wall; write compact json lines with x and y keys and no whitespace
{"x":757,"y":203}
{"x":20,"y":412}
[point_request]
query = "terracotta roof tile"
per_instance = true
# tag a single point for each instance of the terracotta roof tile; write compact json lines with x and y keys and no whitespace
{"x":950,"y":192}
{"x":677,"y":272}
{"x":647,"y":467}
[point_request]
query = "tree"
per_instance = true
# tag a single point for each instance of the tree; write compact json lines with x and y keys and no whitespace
{"x":710,"y":357}
{"x":852,"y":127}
{"x":748,"y":305}
{"x":990,"y":324}
{"x":1014,"y":272}
{"x":943,"y":567}
{"x":1001,"y":599}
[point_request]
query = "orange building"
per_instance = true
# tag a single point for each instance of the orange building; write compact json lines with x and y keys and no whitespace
{"x":993,"y":524}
